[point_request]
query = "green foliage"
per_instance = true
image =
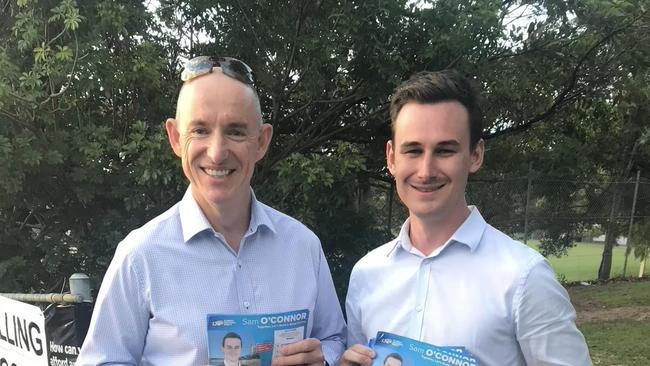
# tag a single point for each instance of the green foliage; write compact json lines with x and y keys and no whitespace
{"x":640,"y":240}
{"x":561,"y":278}
{"x":84,"y":87}
{"x":345,"y":222}
{"x":72,"y":185}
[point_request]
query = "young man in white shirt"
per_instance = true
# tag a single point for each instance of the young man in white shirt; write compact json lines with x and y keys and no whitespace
{"x":449,"y":278}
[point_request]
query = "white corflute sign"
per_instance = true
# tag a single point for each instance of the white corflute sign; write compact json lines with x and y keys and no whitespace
{"x":22,"y":334}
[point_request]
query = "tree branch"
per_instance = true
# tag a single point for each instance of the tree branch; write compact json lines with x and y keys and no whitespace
{"x":562,"y":97}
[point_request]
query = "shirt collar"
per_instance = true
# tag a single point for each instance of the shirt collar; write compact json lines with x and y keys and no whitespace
{"x":193,"y":221}
{"x":471,"y":231}
{"x":468,"y":233}
{"x":259,"y":216}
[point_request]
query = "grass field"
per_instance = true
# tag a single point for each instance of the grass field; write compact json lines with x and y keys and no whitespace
{"x":615,"y":320}
{"x":582,"y":261}
{"x":614,"y":317}
{"x":616,"y":343}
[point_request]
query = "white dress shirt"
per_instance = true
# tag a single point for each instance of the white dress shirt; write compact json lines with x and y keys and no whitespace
{"x":480,"y":290}
{"x":169,"y":274}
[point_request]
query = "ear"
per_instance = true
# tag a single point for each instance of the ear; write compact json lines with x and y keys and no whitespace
{"x":263,"y":140}
{"x":174,"y":136}
{"x":476,"y":156}
{"x":390,"y":157}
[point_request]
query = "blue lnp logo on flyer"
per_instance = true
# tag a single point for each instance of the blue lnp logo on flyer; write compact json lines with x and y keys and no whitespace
{"x":252,"y":339}
{"x":394,"y":350}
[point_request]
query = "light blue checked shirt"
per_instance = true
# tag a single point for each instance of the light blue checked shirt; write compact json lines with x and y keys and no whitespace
{"x":480,"y":290}
{"x":169,"y":274}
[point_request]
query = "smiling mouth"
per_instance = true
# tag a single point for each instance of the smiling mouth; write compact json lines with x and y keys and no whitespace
{"x":429,"y":188}
{"x":218,"y":173}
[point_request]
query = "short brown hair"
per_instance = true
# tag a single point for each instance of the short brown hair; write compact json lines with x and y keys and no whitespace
{"x":232,"y":335}
{"x":440,"y":86}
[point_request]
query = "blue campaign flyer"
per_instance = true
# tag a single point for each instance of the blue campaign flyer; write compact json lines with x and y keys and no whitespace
{"x":394,"y":350}
{"x":252,"y":339}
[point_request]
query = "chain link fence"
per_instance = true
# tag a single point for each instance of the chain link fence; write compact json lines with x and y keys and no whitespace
{"x":541,"y":209}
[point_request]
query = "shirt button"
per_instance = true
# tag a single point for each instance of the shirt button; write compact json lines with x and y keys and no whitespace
{"x":239,"y":264}
{"x":418,"y":308}
{"x":247,"y":304}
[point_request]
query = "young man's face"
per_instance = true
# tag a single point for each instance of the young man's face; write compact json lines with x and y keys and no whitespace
{"x":430,"y":158}
{"x":219,"y":138}
{"x":231,"y":350}
{"x":392,"y":361}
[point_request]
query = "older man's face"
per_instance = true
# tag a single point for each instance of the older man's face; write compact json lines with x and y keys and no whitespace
{"x":219,"y":138}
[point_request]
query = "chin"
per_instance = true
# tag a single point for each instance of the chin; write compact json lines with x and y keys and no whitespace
{"x":214,"y":197}
{"x":426,"y":212}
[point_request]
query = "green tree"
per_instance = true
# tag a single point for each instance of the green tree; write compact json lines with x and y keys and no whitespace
{"x":82,"y":94}
{"x":85,"y":86}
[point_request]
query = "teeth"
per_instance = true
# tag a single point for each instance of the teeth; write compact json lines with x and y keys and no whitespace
{"x":218,"y":173}
{"x":429,"y":188}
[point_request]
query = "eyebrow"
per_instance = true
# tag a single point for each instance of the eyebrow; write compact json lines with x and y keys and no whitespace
{"x":237,"y":125}
{"x":197,"y":122}
{"x":200,"y":122}
{"x":448,"y":143}
{"x":408,"y":144}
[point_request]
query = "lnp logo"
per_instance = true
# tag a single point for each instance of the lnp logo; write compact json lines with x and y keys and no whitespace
{"x":221,"y":323}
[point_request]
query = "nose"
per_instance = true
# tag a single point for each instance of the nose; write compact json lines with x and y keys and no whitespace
{"x":427,"y":167}
{"x":218,"y":148}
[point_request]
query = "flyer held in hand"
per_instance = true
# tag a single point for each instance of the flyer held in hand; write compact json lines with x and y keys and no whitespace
{"x":394,"y":350}
{"x":252,"y":339}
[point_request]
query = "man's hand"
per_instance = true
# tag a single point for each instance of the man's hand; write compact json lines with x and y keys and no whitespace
{"x":305,"y":352}
{"x":357,"y":355}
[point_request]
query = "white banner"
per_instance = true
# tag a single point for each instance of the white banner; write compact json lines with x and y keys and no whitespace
{"x":22,"y":334}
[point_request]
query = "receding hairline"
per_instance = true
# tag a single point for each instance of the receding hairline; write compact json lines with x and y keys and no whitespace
{"x":256,"y":98}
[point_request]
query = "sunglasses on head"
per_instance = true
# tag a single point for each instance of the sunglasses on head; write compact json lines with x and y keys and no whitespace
{"x":232,"y":67}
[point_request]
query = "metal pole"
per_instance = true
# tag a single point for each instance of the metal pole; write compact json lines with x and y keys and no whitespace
{"x":628,"y":246}
{"x":80,"y":285}
{"x":79,"y":288}
{"x":51,"y":298}
{"x":530,"y":174}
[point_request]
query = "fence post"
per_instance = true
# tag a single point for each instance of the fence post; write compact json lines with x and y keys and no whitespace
{"x":530,"y":177}
{"x":80,"y":285}
{"x":628,"y":246}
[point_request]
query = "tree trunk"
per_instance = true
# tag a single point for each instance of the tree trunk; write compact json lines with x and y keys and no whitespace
{"x":610,"y":237}
{"x":606,"y":261}
{"x":642,"y":267}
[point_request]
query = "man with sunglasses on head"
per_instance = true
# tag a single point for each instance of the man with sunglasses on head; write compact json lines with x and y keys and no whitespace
{"x":218,"y":250}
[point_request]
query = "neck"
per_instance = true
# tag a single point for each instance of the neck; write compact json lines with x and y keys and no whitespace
{"x":430,"y":233}
{"x":229,"y":219}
